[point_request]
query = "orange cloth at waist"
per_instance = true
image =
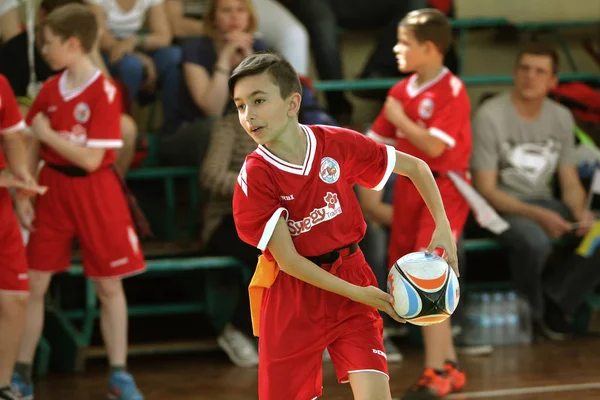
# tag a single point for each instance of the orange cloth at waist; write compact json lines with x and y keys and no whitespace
{"x":264,"y":276}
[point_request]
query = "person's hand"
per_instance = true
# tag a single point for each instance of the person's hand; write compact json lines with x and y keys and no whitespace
{"x":125,"y":46}
{"x":394,"y":112}
{"x":28,"y":187}
{"x":377,"y":298}
{"x":238,"y":45}
{"x":150,"y":73}
{"x":444,"y":239}
{"x":40,"y":126}
{"x":553,"y":224}
{"x":584,"y":223}
{"x":26,"y":213}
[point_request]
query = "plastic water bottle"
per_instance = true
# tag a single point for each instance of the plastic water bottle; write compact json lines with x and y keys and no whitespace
{"x":512,"y":319}
{"x":525,"y":323}
{"x":472,"y":312}
{"x":485,"y":319}
{"x":498,"y":318}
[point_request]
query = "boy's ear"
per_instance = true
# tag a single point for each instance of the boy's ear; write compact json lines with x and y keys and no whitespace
{"x":294,"y":106}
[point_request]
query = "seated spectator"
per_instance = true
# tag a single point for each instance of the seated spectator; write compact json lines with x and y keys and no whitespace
{"x":521,"y":139}
{"x":279,"y":28}
{"x":322,"y":19}
{"x":230,"y":26}
{"x":229,"y":146}
{"x":141,"y":60}
{"x":14,"y":64}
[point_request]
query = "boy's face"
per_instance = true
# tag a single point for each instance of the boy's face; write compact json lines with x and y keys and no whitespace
{"x":410,"y":54}
{"x":261,"y":110}
{"x":57,"y":52}
{"x":534,"y":76}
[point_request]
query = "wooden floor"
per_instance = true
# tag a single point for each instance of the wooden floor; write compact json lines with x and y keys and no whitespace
{"x":544,"y":371}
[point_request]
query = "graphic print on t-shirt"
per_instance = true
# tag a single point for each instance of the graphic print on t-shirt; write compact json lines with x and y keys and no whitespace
{"x":531,"y":163}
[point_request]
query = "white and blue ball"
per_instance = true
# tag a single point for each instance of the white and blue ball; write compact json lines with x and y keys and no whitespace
{"x":425,"y":288}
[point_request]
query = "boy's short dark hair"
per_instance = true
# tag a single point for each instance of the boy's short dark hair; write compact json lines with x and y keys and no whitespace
{"x":429,"y":24}
{"x":540,"y":49}
{"x":280,"y":70}
{"x":50,"y":5}
{"x":73,"y":20}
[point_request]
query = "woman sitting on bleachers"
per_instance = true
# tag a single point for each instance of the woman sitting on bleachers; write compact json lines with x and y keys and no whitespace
{"x":230,"y":27}
{"x":229,"y":146}
{"x":140,"y":59}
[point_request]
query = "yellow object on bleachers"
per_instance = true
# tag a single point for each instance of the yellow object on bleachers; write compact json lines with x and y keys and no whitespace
{"x":529,"y":10}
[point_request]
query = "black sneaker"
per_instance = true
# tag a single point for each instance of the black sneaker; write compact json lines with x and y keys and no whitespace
{"x":555,"y":324}
{"x":7,"y":394}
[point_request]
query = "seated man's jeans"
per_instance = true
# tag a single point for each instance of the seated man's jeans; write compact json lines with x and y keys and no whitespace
{"x":567,"y":283}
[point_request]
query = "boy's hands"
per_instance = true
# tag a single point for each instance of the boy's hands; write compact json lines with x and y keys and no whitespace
{"x":444,"y":239}
{"x":26,"y":213}
{"x":394,"y":112}
{"x":377,"y":298}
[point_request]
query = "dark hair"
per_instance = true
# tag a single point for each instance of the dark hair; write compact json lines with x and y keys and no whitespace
{"x":429,"y":24}
{"x":50,"y":5}
{"x":540,"y":49}
{"x":73,"y":20}
{"x":280,"y":70}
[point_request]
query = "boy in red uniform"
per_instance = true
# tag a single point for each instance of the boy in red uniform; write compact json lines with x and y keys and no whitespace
{"x":294,"y":200}
{"x":14,"y":283}
{"x":75,"y":118}
{"x":427,"y":116}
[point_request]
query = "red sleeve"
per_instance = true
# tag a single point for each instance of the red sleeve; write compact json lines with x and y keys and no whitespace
{"x":367,"y":162}
{"x":10,"y":116}
{"x":382,"y":130}
{"x":448,"y":121}
{"x":104,"y":130}
{"x":39,"y":104}
{"x":256,"y":206}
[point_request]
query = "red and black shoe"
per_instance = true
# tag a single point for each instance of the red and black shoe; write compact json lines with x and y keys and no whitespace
{"x":431,"y":386}
{"x":457,"y":377}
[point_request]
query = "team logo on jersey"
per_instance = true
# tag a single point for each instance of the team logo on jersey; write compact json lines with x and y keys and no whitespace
{"x":426,"y":108}
{"x":82,"y":113}
{"x":331,"y":210}
{"x":330,"y":170}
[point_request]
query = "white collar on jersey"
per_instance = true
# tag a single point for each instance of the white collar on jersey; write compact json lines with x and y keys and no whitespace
{"x":71,"y":94}
{"x":303,"y":169}
{"x":410,"y":85}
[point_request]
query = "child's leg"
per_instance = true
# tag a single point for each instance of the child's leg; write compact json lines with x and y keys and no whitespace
{"x":438,"y":345}
{"x":370,"y":386}
{"x":38,"y":286}
{"x":113,"y":320}
{"x":13,"y":312}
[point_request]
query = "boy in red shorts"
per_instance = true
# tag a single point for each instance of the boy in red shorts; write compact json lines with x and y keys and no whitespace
{"x":427,"y":116}
{"x":75,"y":118}
{"x":14,"y":283}
{"x":294,"y":200}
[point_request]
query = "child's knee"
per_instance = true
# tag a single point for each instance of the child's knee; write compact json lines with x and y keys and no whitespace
{"x":108,"y":289}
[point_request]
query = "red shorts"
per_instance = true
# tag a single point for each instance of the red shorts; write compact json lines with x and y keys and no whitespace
{"x":13,"y":262}
{"x":298,"y":321}
{"x":413,"y":225}
{"x":93,"y":210}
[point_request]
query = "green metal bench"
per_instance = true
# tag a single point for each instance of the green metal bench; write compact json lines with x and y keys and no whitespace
{"x":71,"y":330}
{"x":168,"y":176}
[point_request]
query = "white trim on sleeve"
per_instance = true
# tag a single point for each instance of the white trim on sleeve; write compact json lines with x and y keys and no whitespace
{"x":270,"y":227}
{"x":380,"y":139}
{"x":19,"y":126}
{"x":443,"y":136}
{"x":105,"y":143}
{"x":391,"y":162}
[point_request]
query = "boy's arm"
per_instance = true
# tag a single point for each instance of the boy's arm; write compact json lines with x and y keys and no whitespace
{"x":88,"y":158}
{"x":374,"y":208}
{"x":292,"y":263}
{"x":420,"y":137}
{"x":419,"y":173}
